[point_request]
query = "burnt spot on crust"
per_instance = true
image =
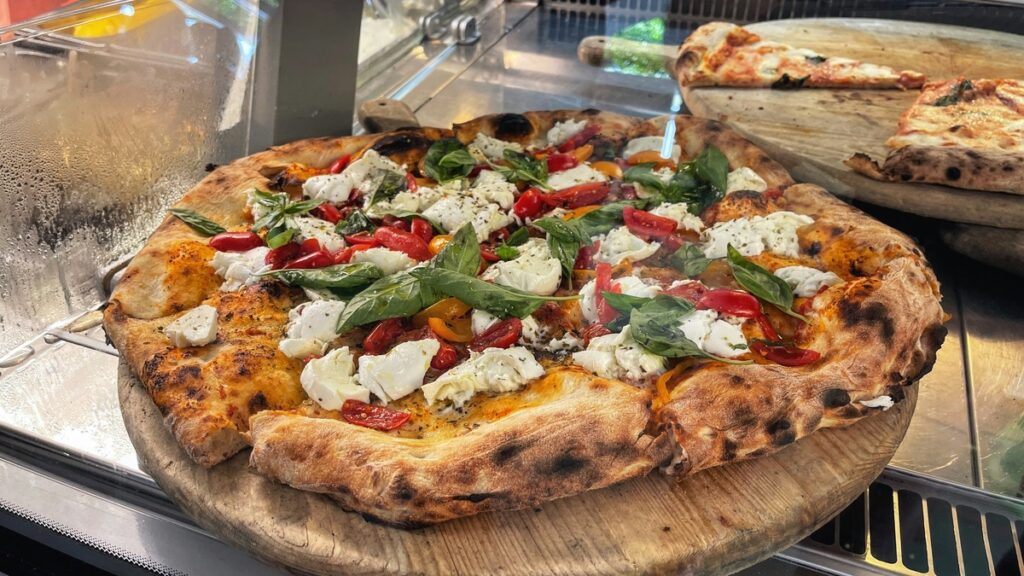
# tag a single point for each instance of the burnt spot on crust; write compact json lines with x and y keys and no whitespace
{"x":185,"y":374}
{"x":564,"y":465}
{"x":781,"y":431}
{"x":778,"y":426}
{"x":474,"y":498}
{"x":401,"y":143}
{"x":736,"y":379}
{"x":512,"y":126}
{"x":813,"y":249}
{"x":871,"y":314}
{"x":506,"y":453}
{"x":402,"y":490}
{"x":952,"y":173}
{"x":728,"y":450}
{"x":194,"y":393}
{"x":835,"y":398}
{"x":210,"y":166}
{"x":258,"y":402}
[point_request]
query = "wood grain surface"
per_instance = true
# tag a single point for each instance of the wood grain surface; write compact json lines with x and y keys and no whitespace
{"x":717,"y":521}
{"x":811,"y":132}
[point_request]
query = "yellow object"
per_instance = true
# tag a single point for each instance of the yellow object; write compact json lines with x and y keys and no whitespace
{"x":447,"y":309}
{"x":661,"y":386}
{"x":582,"y":153}
{"x":116,"y":20}
{"x":580,"y":211}
{"x":438,"y":242}
{"x":651,"y":156}
{"x":458,"y":331}
{"x":609,"y":169}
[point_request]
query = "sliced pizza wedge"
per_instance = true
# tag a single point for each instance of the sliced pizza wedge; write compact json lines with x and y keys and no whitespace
{"x":724,"y":54}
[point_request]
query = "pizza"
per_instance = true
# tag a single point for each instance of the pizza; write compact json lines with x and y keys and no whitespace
{"x":962,"y":133}
{"x":428,"y":324}
{"x":724,"y":54}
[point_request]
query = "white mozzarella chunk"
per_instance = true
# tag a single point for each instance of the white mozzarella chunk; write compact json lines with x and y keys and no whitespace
{"x":663,"y":174}
{"x":406,"y":201}
{"x":400,"y":372}
{"x":494,"y":371}
{"x":535,"y":270}
{"x":745,"y":179}
{"x":630,"y":285}
{"x":453,"y":212}
{"x":481,"y":320}
{"x":883,"y":402}
{"x":240,"y":268}
{"x":492,"y":187}
{"x":679,"y":212}
{"x":197,"y":327}
{"x":534,"y":335}
{"x":569,"y":342}
{"x":581,"y":174}
{"x":328,"y":380}
{"x":645,"y":143}
{"x":389,"y":261}
{"x":807,"y":281}
{"x":712,"y":334}
{"x":619,"y":356}
{"x":321,"y":230}
{"x":620,"y":244}
{"x":337,"y":188}
{"x":562,"y":131}
{"x":492,"y":147}
{"x":775,"y":233}
{"x":258,"y":210}
{"x":311,"y":326}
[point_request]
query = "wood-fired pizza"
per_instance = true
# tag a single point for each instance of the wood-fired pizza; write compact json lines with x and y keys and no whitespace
{"x":428,"y":324}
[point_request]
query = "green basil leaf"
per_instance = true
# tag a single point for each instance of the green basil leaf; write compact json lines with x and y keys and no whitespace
{"x":521,"y":167}
{"x":761,"y":283}
{"x":518,"y":238}
{"x":448,"y":159}
{"x":461,"y":254}
{"x":506,"y":252}
{"x":603,"y":219}
{"x":656,"y":326}
{"x":690,"y":260}
{"x":499,"y":300}
{"x":564,"y":242}
{"x":198,"y":222}
{"x":279,"y":236}
{"x":337,"y":276}
{"x":566,"y":229}
{"x":386,"y":185}
{"x":624,"y":303}
{"x":712,"y":167}
{"x":396,"y":296}
{"x":301,"y":207}
{"x":787,"y":82}
{"x":644,"y":175}
{"x":956,"y":94}
{"x":355,"y":223}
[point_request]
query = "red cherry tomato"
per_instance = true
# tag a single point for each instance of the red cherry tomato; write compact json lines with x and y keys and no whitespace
{"x":478,"y":169}
{"x":580,"y":138}
{"x":502,"y":335}
{"x":672,"y":243}
{"x":319,"y":259}
{"x":786,"y":356}
{"x":487,"y":253}
{"x":445,"y":358}
{"x":560,"y":162}
{"x":308,"y":246}
{"x":594,"y":331}
{"x":529,"y":204}
{"x":602,"y":284}
{"x":645,"y":224}
{"x":282,"y":255}
{"x":585,"y":257}
{"x":400,"y":240}
{"x":328,"y":212}
{"x":737,"y":303}
{"x":340,"y":164}
{"x":362,"y":238}
{"x":578,"y":196}
{"x":236,"y":241}
{"x":383,"y":335}
{"x":344,"y":256}
{"x":410,"y":182}
{"x":422,"y":228}
{"x":370,"y":416}
{"x":691,"y":291}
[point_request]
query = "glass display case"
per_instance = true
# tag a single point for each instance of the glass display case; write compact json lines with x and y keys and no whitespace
{"x":111,"y":109}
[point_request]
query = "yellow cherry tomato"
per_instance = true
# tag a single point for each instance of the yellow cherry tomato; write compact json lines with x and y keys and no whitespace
{"x":457,"y":331}
{"x":651,"y":156}
{"x":609,"y":169}
{"x":447,"y":310}
{"x":582,"y":153}
{"x":438,"y":242}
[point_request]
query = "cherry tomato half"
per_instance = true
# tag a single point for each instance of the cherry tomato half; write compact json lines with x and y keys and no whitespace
{"x":383,"y":336}
{"x":282,"y":255}
{"x":410,"y":182}
{"x":422,"y":228}
{"x":529,"y":204}
{"x":235,"y":241}
{"x":487,"y":253}
{"x":645,"y":224}
{"x":691,"y":291}
{"x":579,"y":195}
{"x":445,"y":358}
{"x":344,"y":256}
{"x":594,"y":331}
{"x":370,"y":416}
{"x":340,"y":164}
{"x":327,"y":212}
{"x":580,"y":138}
{"x":319,"y":259}
{"x":602,"y":284}
{"x":501,"y":335}
{"x":737,"y":303}
{"x":560,"y":162}
{"x":308,"y":246}
{"x":394,"y":239}
{"x":585,"y":257}
{"x":362,"y":238}
{"x":786,"y":356}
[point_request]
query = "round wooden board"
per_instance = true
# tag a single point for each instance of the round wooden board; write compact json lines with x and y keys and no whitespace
{"x":717,"y":521}
{"x":811,"y":132}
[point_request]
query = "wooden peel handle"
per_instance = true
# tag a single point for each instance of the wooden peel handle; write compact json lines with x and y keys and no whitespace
{"x":384,"y":115}
{"x":603,"y":51}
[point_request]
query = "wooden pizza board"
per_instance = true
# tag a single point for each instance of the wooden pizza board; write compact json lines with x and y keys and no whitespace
{"x":716,"y":521}
{"x":811,"y":132}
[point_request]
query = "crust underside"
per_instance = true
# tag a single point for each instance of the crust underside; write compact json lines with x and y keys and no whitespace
{"x":593,"y":434}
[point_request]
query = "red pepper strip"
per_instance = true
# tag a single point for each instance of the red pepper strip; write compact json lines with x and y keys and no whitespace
{"x":691,"y":291}
{"x":580,"y":195}
{"x":344,"y":256}
{"x":383,"y":336}
{"x":487,"y":253}
{"x":340,"y":164}
{"x":602,"y":284}
{"x":410,"y":182}
{"x":580,"y":138}
{"x":529,"y":204}
{"x":282,"y":255}
{"x":585,"y":257}
{"x":362,"y":238}
{"x":394,"y":239}
{"x":422,"y":228}
{"x":376,"y":417}
{"x":594,"y":331}
{"x":645,"y":224}
{"x":319,"y":259}
{"x":308,"y":246}
{"x":786,"y":356}
{"x":236,"y":241}
{"x":328,"y":212}
{"x":502,"y":335}
{"x":445,"y":358}
{"x":560,"y":162}
{"x":737,"y":303}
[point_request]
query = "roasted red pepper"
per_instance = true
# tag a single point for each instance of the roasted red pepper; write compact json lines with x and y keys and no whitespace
{"x":647,"y":225}
{"x":319,"y":259}
{"x":737,"y":303}
{"x":529,"y":204}
{"x":308,"y":246}
{"x":602,"y":284}
{"x":691,"y":291}
{"x":340,"y":164}
{"x":580,"y":138}
{"x":282,"y":255}
{"x":406,"y":242}
{"x":410,"y":182}
{"x":585,"y":257}
{"x":594,"y":331}
{"x":422,"y":228}
{"x":236,"y":241}
{"x":578,"y":196}
{"x":328,"y":212}
{"x":445,"y":358}
{"x":502,"y":335}
{"x":362,"y":238}
{"x":370,"y":416}
{"x":560,"y":162}
{"x":344,"y":256}
{"x":785,"y":355}
{"x":383,"y":336}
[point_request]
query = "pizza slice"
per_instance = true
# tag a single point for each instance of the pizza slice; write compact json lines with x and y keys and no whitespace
{"x":724,"y":54}
{"x":961,"y":133}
